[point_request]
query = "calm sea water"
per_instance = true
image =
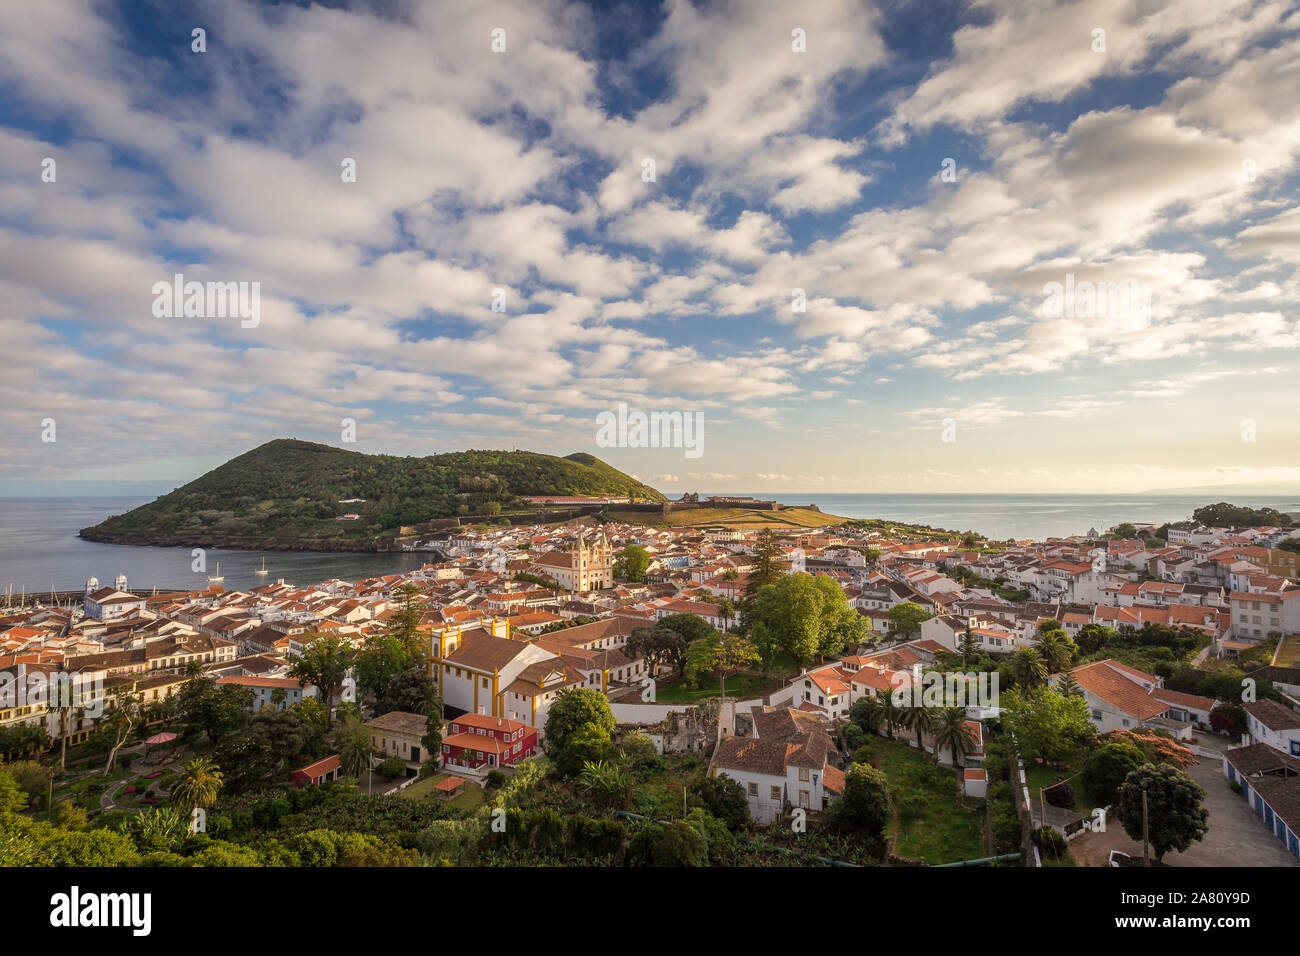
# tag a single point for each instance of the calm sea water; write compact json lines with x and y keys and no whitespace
{"x":1026,"y":516}
{"x":39,"y":547}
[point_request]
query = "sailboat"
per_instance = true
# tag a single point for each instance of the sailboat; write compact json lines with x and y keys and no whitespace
{"x":216,"y":578}
{"x":262,"y":569}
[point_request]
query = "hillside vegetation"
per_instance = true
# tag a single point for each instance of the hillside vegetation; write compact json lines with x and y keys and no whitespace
{"x":291,"y":493}
{"x":742,"y":519}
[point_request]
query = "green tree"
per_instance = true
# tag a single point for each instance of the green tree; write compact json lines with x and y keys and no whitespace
{"x":905,"y":619}
{"x":1105,"y":768}
{"x":952,"y":732}
{"x":864,"y":807}
{"x":867,"y":713}
{"x":379,"y":664}
{"x":658,"y":645}
{"x":807,"y":616}
{"x":1047,"y":724}
{"x":198,"y":784}
{"x":969,"y":647}
{"x":765,"y":569}
{"x":1028,"y":669}
{"x":121,"y":715}
{"x":1175,"y":817}
{"x":722,"y":655}
{"x":220,"y":712}
{"x":632,"y":563}
{"x":355,"y":749}
{"x":725,"y":799}
{"x":324,"y":663}
{"x":921,"y":721}
{"x":432,"y":739}
{"x":1068,"y":686}
{"x":590,"y":743}
{"x":575,"y":707}
{"x":1056,"y":649}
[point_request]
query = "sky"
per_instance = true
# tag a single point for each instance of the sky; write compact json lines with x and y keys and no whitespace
{"x":831,"y":230}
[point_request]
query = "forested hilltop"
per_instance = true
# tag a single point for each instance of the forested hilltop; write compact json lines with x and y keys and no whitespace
{"x":290,"y":493}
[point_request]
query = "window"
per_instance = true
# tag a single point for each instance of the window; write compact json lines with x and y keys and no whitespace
{"x":803,"y":774}
{"x":753,"y":789}
{"x":776,"y":793}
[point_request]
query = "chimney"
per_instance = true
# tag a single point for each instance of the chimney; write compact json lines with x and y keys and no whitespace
{"x":482,"y":711}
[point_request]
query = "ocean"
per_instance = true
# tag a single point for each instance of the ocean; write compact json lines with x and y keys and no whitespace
{"x":40,"y":550}
{"x":1026,"y":516}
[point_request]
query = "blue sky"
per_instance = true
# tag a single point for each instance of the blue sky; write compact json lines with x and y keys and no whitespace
{"x":1166,"y":159}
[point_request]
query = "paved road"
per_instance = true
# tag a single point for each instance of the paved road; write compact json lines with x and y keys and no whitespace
{"x":1236,"y":836}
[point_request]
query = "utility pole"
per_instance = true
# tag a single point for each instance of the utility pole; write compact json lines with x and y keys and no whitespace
{"x":1145,"y":831}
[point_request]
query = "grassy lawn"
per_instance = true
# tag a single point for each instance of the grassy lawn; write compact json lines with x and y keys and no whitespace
{"x":744,"y":686}
{"x":947,"y":827}
{"x":1288,"y":654}
{"x":746,"y":519}
{"x":471,"y":798}
{"x":1041,"y":775}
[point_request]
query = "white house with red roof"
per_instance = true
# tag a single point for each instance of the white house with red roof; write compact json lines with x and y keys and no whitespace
{"x":1120,"y":697}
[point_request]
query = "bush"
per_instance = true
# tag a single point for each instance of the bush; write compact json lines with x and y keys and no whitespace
{"x":1049,"y":842}
{"x":866,"y":753}
{"x":1061,"y":795}
{"x":995,"y":765}
{"x":912,"y":807}
{"x":864,"y":807}
{"x":1006,"y":829}
{"x":725,"y":799}
{"x":392,"y":768}
{"x":1106,"y":767}
{"x":852,"y":736}
{"x":495,"y":778}
{"x":590,"y":742}
{"x":1229,"y":719}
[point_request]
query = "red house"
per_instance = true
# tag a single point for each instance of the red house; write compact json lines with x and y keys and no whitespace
{"x":477,"y":739}
{"x":327,"y":768}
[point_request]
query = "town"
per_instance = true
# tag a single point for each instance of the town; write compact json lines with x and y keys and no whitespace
{"x":608,"y":693}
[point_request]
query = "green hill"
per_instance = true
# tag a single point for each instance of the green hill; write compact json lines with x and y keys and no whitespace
{"x":290,"y":493}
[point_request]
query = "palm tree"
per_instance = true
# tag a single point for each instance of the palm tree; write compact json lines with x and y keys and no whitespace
{"x":953,"y":732}
{"x":278,"y":697}
{"x":1056,"y":649}
{"x":198,"y":784}
{"x":1028,"y":669}
{"x":891,"y":713}
{"x":920,"y":719}
{"x":726,"y":609}
{"x":65,"y":707}
{"x":867,"y":713}
{"x":355,"y":749}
